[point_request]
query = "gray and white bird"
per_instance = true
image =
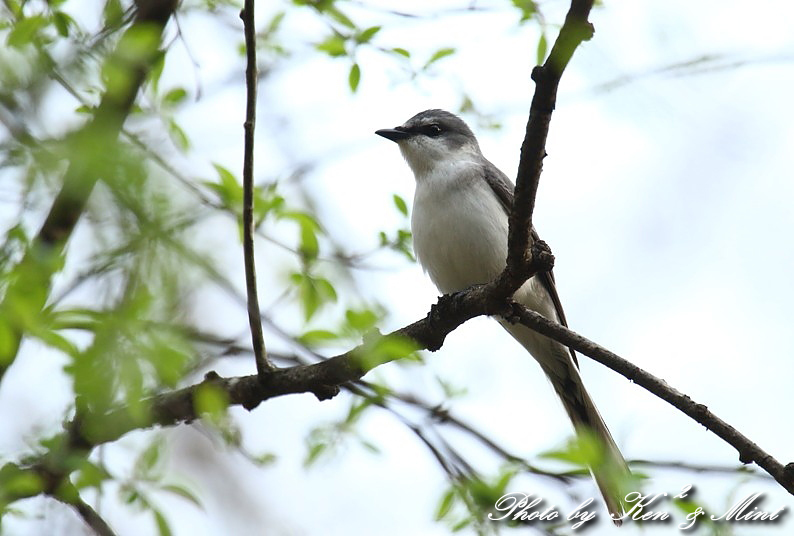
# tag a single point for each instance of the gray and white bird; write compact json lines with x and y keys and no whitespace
{"x":459,"y":225}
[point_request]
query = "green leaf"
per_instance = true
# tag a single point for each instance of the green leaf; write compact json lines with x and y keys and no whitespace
{"x":367,"y":35}
{"x":90,"y":475}
{"x":439,"y":54}
{"x":54,"y":340}
{"x":357,"y":409}
{"x":169,"y":355}
{"x":178,"y":135}
{"x":211,"y":401}
{"x":317,"y":336}
{"x":313,"y":292}
{"x":334,"y":46}
{"x":267,"y":200}
{"x":528,"y":8}
{"x":362,"y":320}
{"x":182,"y":492}
{"x":315,"y":450}
{"x":340,"y":17}
{"x":263,"y":460}
{"x":399,"y":202}
{"x":542,"y":47}
{"x":583,"y":451}
{"x":162,"y":523}
{"x":7,"y":341}
{"x":401,"y":52}
{"x":445,"y":506}
{"x":384,"y":349}
{"x":113,"y":13}
{"x":148,"y":459}
{"x":174,"y":96}
{"x":275,"y":23}
{"x":462,"y":524}
{"x":26,"y":31}
{"x":370,"y":446}
{"x":229,"y":190}
{"x":18,"y":482}
{"x":62,"y":23}
{"x":309,"y":228}
{"x":354,"y":77}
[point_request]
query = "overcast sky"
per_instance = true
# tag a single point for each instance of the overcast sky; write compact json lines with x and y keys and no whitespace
{"x":666,"y":199}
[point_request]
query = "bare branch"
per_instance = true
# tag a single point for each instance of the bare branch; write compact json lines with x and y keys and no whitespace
{"x":325,"y":378}
{"x":91,"y":517}
{"x":533,"y":149}
{"x":263,"y":364}
{"x":749,"y":452}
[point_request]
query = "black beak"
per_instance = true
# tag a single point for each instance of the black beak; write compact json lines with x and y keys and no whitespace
{"x":393,"y":134}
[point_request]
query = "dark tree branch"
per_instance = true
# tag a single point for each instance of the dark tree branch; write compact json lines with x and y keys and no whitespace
{"x":325,"y":378}
{"x":91,"y":517}
{"x":533,"y":149}
{"x":701,"y":468}
{"x":749,"y":452}
{"x":30,"y":287}
{"x":263,"y":364}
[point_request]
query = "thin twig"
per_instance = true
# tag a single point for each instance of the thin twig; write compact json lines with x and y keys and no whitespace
{"x":743,"y":470}
{"x":92,"y":518}
{"x":263,"y":364}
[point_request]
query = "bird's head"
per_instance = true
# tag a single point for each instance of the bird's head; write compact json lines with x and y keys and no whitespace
{"x":431,"y":138}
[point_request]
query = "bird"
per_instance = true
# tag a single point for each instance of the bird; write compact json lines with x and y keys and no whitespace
{"x":459,"y":224}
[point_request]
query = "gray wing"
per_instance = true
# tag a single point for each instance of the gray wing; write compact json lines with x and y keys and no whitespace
{"x":503,"y":188}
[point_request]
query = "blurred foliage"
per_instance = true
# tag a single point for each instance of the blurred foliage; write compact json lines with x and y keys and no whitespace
{"x":118,"y":318}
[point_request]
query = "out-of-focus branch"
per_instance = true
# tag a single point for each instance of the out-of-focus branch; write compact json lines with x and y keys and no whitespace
{"x":325,"y":378}
{"x":135,"y":56}
{"x":91,"y":517}
{"x":263,"y":364}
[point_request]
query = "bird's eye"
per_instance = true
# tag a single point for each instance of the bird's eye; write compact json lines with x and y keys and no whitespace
{"x":432,"y":130}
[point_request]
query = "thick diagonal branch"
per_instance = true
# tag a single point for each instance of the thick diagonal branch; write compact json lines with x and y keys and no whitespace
{"x":749,"y":452}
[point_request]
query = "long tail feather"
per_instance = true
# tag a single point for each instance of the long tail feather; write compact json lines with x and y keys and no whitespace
{"x":557,"y":362}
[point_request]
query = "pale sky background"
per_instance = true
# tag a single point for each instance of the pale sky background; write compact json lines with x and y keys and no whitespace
{"x":666,"y":201}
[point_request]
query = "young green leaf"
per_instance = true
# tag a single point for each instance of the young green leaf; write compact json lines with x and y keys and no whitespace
{"x":399,"y":202}
{"x":334,"y":46}
{"x":182,"y":492}
{"x":528,"y":8}
{"x":354,"y":77}
{"x":317,"y":336}
{"x":26,"y":31}
{"x":174,"y":96}
{"x":211,"y":401}
{"x":340,"y":17}
{"x":439,"y":54}
{"x":367,"y":35}
{"x":63,"y":23}
{"x":542,"y":47}
{"x":361,"y":320}
{"x":178,"y":136}
{"x":162,"y":523}
{"x":445,"y":506}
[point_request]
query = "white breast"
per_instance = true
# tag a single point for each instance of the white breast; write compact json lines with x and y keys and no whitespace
{"x":459,"y":227}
